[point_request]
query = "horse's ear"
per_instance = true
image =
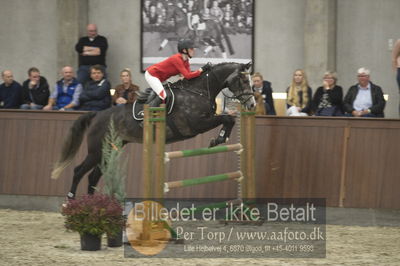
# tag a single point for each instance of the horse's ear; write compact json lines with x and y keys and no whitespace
{"x":248,"y":65}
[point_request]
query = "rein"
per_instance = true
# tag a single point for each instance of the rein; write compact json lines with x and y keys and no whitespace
{"x":208,"y":96}
{"x":192,"y":91}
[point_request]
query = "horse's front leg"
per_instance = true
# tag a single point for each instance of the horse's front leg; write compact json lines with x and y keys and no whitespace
{"x":228,"y":121}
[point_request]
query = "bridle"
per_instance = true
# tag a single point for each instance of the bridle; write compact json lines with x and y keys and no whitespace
{"x":249,"y":94}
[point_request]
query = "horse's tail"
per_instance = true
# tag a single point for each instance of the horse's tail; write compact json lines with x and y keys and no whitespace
{"x":72,"y":143}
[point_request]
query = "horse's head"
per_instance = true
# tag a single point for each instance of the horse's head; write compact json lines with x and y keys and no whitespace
{"x":238,"y":83}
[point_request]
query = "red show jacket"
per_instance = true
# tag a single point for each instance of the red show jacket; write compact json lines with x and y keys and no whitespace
{"x":172,"y":66}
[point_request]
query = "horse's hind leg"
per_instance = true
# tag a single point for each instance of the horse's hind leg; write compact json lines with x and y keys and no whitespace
{"x":96,"y":174}
{"x":94,"y":178}
{"x":79,"y":171}
{"x":228,"y":121}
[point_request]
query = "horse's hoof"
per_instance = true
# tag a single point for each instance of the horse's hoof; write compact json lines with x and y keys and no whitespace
{"x":70,"y":196}
{"x":213,"y":143}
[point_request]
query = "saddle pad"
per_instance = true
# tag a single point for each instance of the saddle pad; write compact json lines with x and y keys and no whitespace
{"x":137,"y":108}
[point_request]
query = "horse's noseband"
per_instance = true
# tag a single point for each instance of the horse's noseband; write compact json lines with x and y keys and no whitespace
{"x":250,"y":94}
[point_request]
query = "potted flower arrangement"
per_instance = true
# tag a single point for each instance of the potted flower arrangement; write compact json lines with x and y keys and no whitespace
{"x":113,"y":166}
{"x":91,"y":216}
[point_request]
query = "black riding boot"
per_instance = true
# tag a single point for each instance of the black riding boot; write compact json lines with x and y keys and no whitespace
{"x":155,"y":102}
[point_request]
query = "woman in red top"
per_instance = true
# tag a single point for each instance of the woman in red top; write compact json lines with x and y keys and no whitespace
{"x":174,"y":65}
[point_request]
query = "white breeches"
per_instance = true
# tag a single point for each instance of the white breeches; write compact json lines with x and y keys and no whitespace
{"x":155,"y":84}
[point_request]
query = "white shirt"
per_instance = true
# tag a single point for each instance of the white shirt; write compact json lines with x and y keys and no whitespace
{"x":363,"y":100}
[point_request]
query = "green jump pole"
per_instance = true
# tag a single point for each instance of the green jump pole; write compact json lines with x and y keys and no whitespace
{"x":202,"y":151}
{"x":202,"y":180}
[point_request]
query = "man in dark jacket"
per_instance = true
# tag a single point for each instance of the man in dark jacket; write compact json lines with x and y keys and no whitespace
{"x":95,"y":95}
{"x":364,"y":99}
{"x":35,"y":90}
{"x":10,"y":91}
{"x":264,"y":87}
{"x":92,"y":51}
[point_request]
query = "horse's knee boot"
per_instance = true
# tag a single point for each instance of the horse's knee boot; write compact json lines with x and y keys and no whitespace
{"x":70,"y":196}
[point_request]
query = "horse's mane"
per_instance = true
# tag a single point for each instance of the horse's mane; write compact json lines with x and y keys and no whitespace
{"x":223,"y":64}
{"x":213,"y":67}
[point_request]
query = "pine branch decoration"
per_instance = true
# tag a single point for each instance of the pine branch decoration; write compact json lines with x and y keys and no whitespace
{"x":113,"y":164}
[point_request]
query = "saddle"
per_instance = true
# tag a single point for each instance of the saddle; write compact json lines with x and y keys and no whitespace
{"x":147,"y":97}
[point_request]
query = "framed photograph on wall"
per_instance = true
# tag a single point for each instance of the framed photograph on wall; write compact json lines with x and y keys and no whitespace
{"x":222,"y":30}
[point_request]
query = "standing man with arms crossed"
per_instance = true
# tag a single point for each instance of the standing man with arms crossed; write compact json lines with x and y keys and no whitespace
{"x":92,"y":51}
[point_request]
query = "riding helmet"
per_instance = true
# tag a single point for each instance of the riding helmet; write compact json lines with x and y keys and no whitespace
{"x":185,"y":44}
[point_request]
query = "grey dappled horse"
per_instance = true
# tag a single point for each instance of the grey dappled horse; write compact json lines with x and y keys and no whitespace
{"x":193,"y":114}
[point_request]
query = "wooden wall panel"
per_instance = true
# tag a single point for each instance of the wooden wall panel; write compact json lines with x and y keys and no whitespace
{"x":295,"y":157}
{"x":301,"y":161}
{"x":373,"y":172}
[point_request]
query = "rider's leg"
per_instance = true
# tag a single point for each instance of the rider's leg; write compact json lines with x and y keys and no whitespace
{"x":157,"y":87}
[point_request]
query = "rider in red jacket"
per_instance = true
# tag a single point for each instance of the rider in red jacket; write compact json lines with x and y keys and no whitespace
{"x":174,"y":65}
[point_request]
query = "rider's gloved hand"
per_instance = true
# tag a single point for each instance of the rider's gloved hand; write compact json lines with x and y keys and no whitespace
{"x":206,"y":67}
